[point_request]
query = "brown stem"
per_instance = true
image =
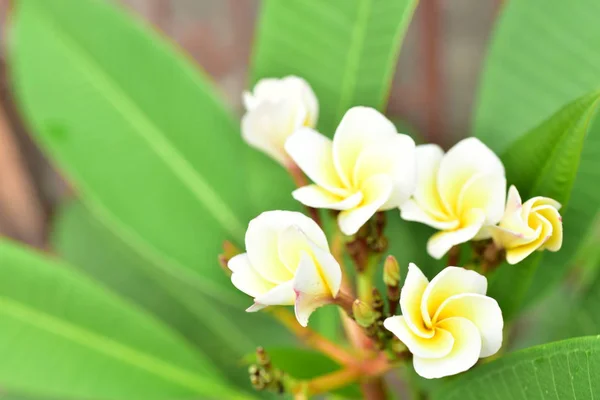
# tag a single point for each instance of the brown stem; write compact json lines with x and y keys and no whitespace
{"x":454,"y":256}
{"x":312,"y":338}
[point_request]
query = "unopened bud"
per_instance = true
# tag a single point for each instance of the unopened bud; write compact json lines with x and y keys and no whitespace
{"x":229,"y":251}
{"x":363,"y":313}
{"x":391,"y":272}
{"x":262,"y":358}
{"x":398,"y":347}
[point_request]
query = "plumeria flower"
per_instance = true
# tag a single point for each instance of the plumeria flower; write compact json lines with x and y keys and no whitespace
{"x":448,"y":323}
{"x":287,"y":262}
{"x":526,"y":227}
{"x":368,"y":167}
{"x":460,"y":193}
{"x":274,"y":110}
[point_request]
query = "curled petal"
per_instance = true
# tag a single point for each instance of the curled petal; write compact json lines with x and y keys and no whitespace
{"x":466,"y":159}
{"x":464,"y":354}
{"x":312,"y":152}
{"x":410,"y":301}
{"x":360,"y":127}
{"x":449,"y":282}
{"x":441,"y":242}
{"x":262,"y":241}
{"x":550,"y":214}
{"x":394,"y":157}
{"x":376,"y":192}
{"x":245,"y":278}
{"x":311,"y":290}
{"x":482,"y":311}
{"x":438,"y":345}
{"x":485,"y":192}
{"x":317,"y":197}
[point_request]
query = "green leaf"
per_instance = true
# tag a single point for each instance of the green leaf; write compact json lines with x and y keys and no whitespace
{"x":543,"y":162}
{"x":66,"y":337}
{"x":346,"y":50}
{"x":85,"y":242}
{"x":543,"y":55}
{"x":307,"y":364}
{"x":138,"y":130}
{"x":561,"y":370}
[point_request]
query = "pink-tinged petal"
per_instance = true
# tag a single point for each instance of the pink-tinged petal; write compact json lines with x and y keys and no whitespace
{"x":268,"y":125}
{"x":317,"y":197}
{"x":466,"y":159}
{"x":438,"y":345}
{"x":412,"y":211}
{"x":311,"y":290}
{"x":245,"y":277}
{"x":312,"y":152}
{"x":376,"y":192}
{"x":262,"y":241}
{"x":464,"y":354}
{"x":482,"y":311}
{"x":486,"y":192}
{"x":410,"y":301}
{"x":450,"y":282}
{"x":426,"y":194}
{"x":441,"y":242}
{"x":359,"y":128}
{"x":394,"y":157}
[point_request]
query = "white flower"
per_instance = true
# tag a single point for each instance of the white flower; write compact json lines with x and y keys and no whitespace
{"x":448,"y":323}
{"x":368,"y":167}
{"x":287,"y":263}
{"x":526,"y":227}
{"x":274,"y":110}
{"x":460,"y":193}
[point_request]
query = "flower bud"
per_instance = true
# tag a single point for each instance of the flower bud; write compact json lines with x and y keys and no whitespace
{"x":391,"y":272}
{"x":363,"y":313}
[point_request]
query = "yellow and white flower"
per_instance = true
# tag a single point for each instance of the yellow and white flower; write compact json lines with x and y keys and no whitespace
{"x":448,"y":323}
{"x":526,"y":227}
{"x":274,"y":110}
{"x":460,"y":193}
{"x":368,"y":167}
{"x":287,"y":262}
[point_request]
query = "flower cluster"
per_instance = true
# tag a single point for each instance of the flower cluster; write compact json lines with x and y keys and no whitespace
{"x":447,"y":323}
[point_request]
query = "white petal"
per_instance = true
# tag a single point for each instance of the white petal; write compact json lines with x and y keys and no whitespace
{"x":290,"y":247}
{"x":438,"y":345}
{"x":376,"y":192}
{"x":280,"y":295}
{"x":267,"y":126}
{"x":426,"y":194}
{"x":412,"y":211}
{"x":466,"y":159}
{"x":360,"y":127}
{"x":450,"y":282}
{"x":308,"y":98}
{"x":317,"y":197}
{"x":410,"y":301}
{"x":329,"y":269}
{"x":486,"y":192}
{"x":262,"y":241}
{"x":311,"y":291}
{"x":245,"y":278}
{"x":394,"y":157}
{"x":482,"y":311}
{"x":464,"y":354}
{"x":441,"y":242}
{"x":312,"y":152}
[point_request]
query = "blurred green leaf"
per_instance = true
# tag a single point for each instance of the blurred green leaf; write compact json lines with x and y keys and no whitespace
{"x":543,"y":162}
{"x":346,"y":50}
{"x":66,"y":337}
{"x":138,"y":130}
{"x":307,"y":364}
{"x":543,"y":55}
{"x":562,"y":370}
{"x":85,"y":242}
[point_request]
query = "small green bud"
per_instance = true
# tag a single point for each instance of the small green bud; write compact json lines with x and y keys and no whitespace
{"x":363,"y":313}
{"x":391,"y":272}
{"x":398,"y":347}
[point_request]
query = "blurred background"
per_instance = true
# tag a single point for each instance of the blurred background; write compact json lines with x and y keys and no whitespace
{"x":432,"y":93}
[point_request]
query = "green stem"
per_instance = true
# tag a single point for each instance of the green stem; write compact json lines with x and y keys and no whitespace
{"x":364,"y":279}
